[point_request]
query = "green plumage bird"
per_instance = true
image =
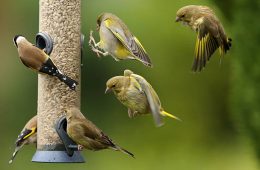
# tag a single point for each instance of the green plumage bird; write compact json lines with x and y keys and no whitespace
{"x":137,"y":95}
{"x":117,"y":40}
{"x":210,"y":33}
{"x":87,"y":135}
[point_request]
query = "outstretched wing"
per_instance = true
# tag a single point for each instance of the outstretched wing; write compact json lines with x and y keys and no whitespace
{"x":130,"y":42}
{"x":152,"y":99}
{"x":208,"y":40}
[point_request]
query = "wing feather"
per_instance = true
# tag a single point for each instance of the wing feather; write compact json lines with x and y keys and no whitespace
{"x":152,"y":99}
{"x":208,"y":40}
{"x":130,"y":42}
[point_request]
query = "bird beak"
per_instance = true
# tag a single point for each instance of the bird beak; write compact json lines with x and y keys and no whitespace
{"x":177,"y":19}
{"x":108,"y":90}
{"x":97,"y":27}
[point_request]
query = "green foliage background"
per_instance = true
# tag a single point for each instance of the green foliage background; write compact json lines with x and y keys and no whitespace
{"x":219,"y":106}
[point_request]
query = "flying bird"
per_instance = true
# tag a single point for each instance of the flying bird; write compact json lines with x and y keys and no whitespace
{"x":210,"y":33}
{"x":117,"y":40}
{"x":134,"y":92}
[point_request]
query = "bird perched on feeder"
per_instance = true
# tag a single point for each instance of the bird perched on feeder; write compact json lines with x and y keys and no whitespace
{"x":117,"y":40}
{"x":87,"y":135}
{"x":36,"y":59}
{"x":210,"y":33}
{"x":27,"y":136}
{"x":134,"y":92}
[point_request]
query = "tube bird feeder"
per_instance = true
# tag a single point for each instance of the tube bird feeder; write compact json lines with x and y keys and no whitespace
{"x":60,"y":20}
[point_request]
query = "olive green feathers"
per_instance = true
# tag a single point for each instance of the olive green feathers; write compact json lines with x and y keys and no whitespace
{"x":85,"y":133}
{"x":137,"y":95}
{"x":117,"y":40}
{"x":210,"y":33}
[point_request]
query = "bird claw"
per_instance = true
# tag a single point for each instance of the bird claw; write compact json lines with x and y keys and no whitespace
{"x":91,"y":38}
{"x":96,"y":51}
{"x":92,"y":43}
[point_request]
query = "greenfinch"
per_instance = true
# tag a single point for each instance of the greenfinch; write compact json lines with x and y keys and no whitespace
{"x":27,"y":136}
{"x":36,"y":59}
{"x":86,"y":134}
{"x":134,"y":92}
{"x":117,"y":40}
{"x":210,"y":33}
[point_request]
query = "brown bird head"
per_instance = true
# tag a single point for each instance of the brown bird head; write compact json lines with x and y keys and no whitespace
{"x":185,"y":13}
{"x":115,"y":84}
{"x":72,"y":113}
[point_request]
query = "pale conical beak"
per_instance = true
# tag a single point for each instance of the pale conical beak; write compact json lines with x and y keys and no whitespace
{"x":177,"y":19}
{"x":108,"y":90}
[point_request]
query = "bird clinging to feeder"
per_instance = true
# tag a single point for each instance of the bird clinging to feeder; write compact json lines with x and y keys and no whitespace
{"x":27,"y":136}
{"x":36,"y":59}
{"x":117,"y":40}
{"x":87,"y":135}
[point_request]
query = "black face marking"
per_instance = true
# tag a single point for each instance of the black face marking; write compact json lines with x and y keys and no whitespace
{"x":20,"y":138}
{"x":15,"y":38}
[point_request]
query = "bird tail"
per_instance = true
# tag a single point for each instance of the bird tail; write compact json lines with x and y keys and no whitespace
{"x":163,"y":113}
{"x":226,"y":45}
{"x":118,"y":148}
{"x":14,"y":154}
{"x":67,"y":80}
{"x":50,"y":68}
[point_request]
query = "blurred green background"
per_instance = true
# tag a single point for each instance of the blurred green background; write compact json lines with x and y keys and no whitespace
{"x":220,"y":107}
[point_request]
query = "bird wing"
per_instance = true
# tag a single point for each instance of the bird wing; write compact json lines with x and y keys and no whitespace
{"x":33,"y":57}
{"x":26,"y":133}
{"x":152,"y":98}
{"x":130,"y":42}
{"x":93,"y":132}
{"x":207,"y":42}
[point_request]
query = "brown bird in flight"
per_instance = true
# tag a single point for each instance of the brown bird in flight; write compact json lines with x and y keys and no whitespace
{"x":210,"y":33}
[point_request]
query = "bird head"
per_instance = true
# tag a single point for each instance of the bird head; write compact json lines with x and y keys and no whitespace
{"x":72,"y":113}
{"x":104,"y":16}
{"x":16,"y":38}
{"x":68,"y":114}
{"x":100,"y":19}
{"x":115,"y":84}
{"x":185,"y":13}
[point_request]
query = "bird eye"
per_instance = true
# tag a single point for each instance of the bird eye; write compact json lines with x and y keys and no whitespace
{"x":114,"y":85}
{"x":183,"y":16}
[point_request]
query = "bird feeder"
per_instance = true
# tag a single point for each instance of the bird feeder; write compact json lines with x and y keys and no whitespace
{"x":60,"y":36}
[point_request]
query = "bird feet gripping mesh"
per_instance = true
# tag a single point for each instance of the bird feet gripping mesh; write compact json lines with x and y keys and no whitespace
{"x":94,"y":46}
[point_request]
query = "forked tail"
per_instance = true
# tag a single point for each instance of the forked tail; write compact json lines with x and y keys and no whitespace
{"x":14,"y":154}
{"x":163,"y":113}
{"x":118,"y":148}
{"x":67,"y":80}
